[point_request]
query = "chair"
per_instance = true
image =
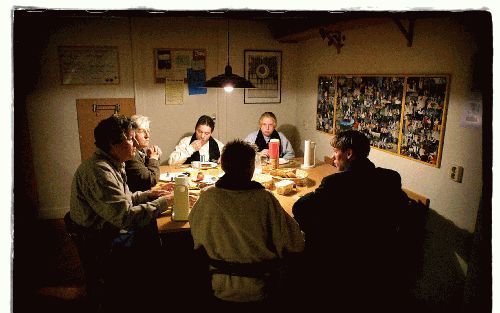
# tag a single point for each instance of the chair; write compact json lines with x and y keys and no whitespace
{"x":328,"y":159}
{"x":417,"y":197}
{"x":92,"y":256}
{"x":411,"y":237}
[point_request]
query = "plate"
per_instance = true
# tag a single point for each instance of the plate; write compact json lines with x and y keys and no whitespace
{"x":170,"y":176}
{"x":203,"y":165}
{"x":283,"y":161}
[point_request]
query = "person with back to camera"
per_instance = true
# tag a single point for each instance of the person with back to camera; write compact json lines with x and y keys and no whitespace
{"x":267,"y":131}
{"x":143,"y":171}
{"x":244,"y":231}
{"x":201,"y":143}
{"x":110,"y":218}
{"x":350,"y":224}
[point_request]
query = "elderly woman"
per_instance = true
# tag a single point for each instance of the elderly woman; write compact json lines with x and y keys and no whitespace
{"x":200,"y":145}
{"x":267,"y":131}
{"x":143,"y":171}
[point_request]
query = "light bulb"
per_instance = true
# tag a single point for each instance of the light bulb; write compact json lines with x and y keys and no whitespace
{"x":228,"y":88}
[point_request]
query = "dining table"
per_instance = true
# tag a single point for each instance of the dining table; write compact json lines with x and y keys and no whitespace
{"x":310,"y":183}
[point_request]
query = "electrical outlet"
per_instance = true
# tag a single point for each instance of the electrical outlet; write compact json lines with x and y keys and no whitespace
{"x":456,"y":173}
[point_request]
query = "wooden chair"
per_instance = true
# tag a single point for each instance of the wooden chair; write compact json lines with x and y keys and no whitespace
{"x":417,"y":197}
{"x":328,"y":159}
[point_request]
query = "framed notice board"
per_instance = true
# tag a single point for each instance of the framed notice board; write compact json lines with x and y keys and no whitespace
{"x":400,"y":114}
{"x":89,"y":65}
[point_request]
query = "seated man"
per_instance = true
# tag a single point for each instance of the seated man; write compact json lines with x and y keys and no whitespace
{"x":201,"y":146}
{"x":350,"y":224}
{"x":143,"y":171}
{"x":110,"y":217}
{"x":267,"y":131}
{"x":244,"y":230}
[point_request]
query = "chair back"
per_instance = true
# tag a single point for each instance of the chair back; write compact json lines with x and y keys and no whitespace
{"x":417,"y":197}
{"x":91,"y":258}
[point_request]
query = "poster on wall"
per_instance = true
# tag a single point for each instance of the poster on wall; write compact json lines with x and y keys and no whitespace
{"x":263,"y":70}
{"x":372,"y":105}
{"x":324,"y":107}
{"x":424,"y":118}
{"x":89,"y":65}
{"x":400,"y":114}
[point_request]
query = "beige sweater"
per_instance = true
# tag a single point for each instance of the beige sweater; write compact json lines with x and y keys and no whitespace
{"x":242,"y":226}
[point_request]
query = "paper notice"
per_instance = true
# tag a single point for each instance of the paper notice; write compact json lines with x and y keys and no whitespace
{"x":473,"y":112}
{"x":174,"y":91}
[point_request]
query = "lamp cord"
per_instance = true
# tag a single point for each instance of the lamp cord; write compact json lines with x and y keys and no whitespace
{"x":227,"y":28}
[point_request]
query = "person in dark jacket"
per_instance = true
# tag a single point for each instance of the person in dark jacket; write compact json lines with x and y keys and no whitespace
{"x":350,"y":223}
{"x":143,"y":170}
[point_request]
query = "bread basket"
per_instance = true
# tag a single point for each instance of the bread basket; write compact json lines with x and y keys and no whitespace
{"x":296,"y":175}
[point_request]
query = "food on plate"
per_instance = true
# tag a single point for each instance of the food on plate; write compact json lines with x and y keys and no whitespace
{"x":285,"y":173}
{"x":296,"y":175}
{"x":284,"y":187}
{"x":200,"y":176}
{"x":265,"y":180}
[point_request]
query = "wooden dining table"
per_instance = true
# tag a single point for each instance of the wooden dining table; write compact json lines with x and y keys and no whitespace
{"x":314,"y":177}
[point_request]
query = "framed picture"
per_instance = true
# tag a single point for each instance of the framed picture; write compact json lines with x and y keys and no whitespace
{"x":324,"y":107}
{"x":371,"y":104}
{"x":424,"y":118}
{"x":263,"y":69}
{"x":400,"y":114}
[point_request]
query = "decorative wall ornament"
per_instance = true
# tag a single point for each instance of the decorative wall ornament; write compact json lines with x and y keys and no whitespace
{"x":334,"y":38}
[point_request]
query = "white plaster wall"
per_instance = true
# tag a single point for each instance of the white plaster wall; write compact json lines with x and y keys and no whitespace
{"x":439,"y":46}
{"x":51,"y":108}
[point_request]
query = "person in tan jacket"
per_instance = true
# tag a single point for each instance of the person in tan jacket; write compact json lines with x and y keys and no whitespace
{"x":244,"y":231}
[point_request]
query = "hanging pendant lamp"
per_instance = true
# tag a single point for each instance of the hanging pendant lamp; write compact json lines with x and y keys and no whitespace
{"x":228,"y":80}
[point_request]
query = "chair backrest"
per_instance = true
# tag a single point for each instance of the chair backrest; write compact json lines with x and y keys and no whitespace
{"x":417,"y":197}
{"x":328,"y":159}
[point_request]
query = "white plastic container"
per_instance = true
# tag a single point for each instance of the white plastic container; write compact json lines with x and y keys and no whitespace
{"x":181,"y":199}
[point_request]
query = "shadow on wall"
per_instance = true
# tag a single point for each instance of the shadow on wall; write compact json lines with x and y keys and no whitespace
{"x":439,"y":285}
{"x":292,"y":134}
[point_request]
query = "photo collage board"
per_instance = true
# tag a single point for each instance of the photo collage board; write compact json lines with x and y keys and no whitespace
{"x":400,"y":114}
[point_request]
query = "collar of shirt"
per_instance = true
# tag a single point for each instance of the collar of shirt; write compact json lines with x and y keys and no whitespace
{"x":120,"y":166}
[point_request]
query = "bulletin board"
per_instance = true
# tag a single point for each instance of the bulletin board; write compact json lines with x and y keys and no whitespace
{"x":173,"y":64}
{"x":400,"y":114}
{"x":89,"y":65}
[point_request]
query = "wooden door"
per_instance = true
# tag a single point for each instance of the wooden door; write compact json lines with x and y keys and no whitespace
{"x":91,"y":111}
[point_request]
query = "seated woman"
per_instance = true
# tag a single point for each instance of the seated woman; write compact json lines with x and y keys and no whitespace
{"x":200,"y":144}
{"x":267,"y":124}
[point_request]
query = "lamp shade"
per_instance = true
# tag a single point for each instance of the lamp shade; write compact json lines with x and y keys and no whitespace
{"x":228,"y":79}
